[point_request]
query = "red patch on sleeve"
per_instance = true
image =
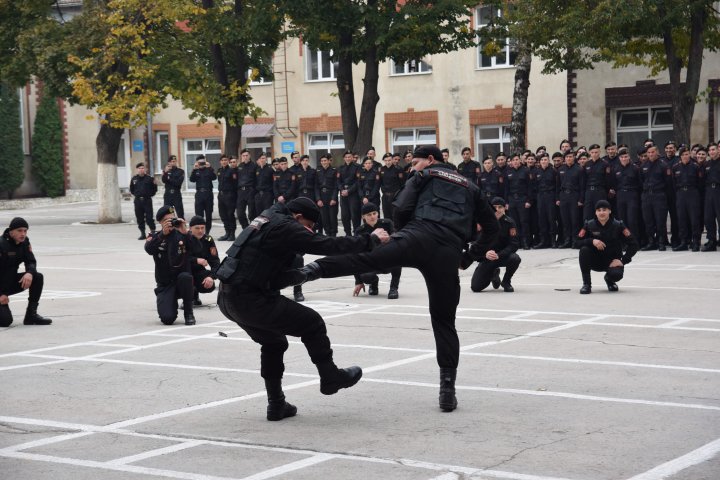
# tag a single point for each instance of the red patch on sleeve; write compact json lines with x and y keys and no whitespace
{"x":581,"y":233}
{"x":213,"y":251}
{"x":626,"y":232}
{"x":513,"y":232}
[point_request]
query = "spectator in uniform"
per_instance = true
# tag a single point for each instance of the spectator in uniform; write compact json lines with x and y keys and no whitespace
{"x":263,"y":184}
{"x":656,"y":180}
{"x":372,"y":221}
{"x":687,"y":177}
{"x":143,"y":187}
{"x":469,"y":168}
{"x":518,"y":181}
{"x":546,"y":188}
{"x":284,"y":185}
{"x":368,"y":183}
{"x":570,"y":186}
{"x":391,"y":181}
{"x":245,"y":205}
{"x":15,"y":249}
{"x":326,"y":194}
{"x":173,"y":178}
{"x":597,"y":177}
{"x":305,"y":179}
{"x":203,"y":176}
{"x":171,"y":251}
{"x":502,"y":253}
{"x":626,"y":183}
{"x":204,"y":259}
{"x":712,"y":198}
{"x":501,"y":164}
{"x":347,"y":182}
{"x":227,"y":197}
{"x":602,"y":241}
{"x":491,"y":181}
{"x":671,"y":159}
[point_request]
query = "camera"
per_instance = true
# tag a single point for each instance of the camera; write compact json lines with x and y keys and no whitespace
{"x":175,"y":222}
{"x":202,"y":163}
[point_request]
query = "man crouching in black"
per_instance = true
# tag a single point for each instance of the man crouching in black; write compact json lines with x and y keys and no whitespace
{"x":249,"y":295}
{"x":601,"y":243}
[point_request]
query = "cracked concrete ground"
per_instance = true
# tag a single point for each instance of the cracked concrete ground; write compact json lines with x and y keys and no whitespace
{"x":551,"y":385}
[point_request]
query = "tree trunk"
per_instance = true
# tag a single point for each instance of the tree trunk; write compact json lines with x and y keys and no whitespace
{"x":520,"y":97}
{"x":370,"y":100}
{"x":233,"y":137}
{"x":346,"y":93}
{"x":107,"y":144}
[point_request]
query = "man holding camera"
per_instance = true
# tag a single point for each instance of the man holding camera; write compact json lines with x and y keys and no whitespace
{"x":203,"y":176}
{"x":171,"y":250}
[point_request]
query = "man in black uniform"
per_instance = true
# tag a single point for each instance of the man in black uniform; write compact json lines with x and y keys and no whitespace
{"x":368,"y":183}
{"x":671,"y":159}
{"x":656,"y":180}
{"x":204,"y":259}
{"x":227,"y":197}
{"x":173,"y":178}
{"x":171,"y":251}
{"x":347,"y":184}
{"x":15,"y":249}
{"x":518,"y":183}
{"x":327,"y":196}
{"x":391,"y":180}
{"x":371,"y":221}
{"x":436,"y":214}
{"x":570,"y":186}
{"x":284,"y":185}
{"x":626,"y":183}
{"x":203,"y":176}
{"x":602,"y":240}
{"x":248,"y":297}
{"x":143,"y":187}
{"x":502,"y":253}
{"x":546,"y":188}
{"x":712,"y":197}
{"x":263,"y":184}
{"x":469,"y":168}
{"x":491,"y":181}
{"x":597,"y":177}
{"x":246,"y":189}
{"x":305,"y":177}
{"x":687,"y":176}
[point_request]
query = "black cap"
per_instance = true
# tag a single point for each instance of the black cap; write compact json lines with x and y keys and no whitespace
{"x":556,"y":155}
{"x":141,"y":164}
{"x":602,"y":204}
{"x":369,"y":208}
{"x":593,"y":146}
{"x":623,"y":151}
{"x":162,"y":211}
{"x":424,"y":151}
{"x":197,"y":220}
{"x":200,"y":157}
{"x":671,"y":142}
{"x":18,"y":222}
{"x":305,"y":207}
{"x":497,"y":201}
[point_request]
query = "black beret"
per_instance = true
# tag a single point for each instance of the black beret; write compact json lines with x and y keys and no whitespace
{"x":671,"y":142}
{"x":18,"y":222}
{"x":162,"y":211}
{"x":583,"y":154}
{"x":305,"y":207}
{"x":141,"y":164}
{"x":197,"y":220}
{"x":424,"y":151}
{"x":602,"y":204}
{"x":369,"y":208}
{"x":557,"y":154}
{"x":623,"y":151}
{"x":594,"y":145}
{"x":497,"y":201}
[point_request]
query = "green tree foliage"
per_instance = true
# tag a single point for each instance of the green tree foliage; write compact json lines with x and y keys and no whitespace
{"x":12,"y":157}
{"x":373,"y":31}
{"x":47,"y":163}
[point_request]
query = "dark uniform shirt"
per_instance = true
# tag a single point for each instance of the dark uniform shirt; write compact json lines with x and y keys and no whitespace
{"x":368,"y":183}
{"x":507,"y":241}
{"x":227,"y":179}
{"x":391,"y":179}
{"x":597,"y":174}
{"x":712,"y":173}
{"x":326,"y":184}
{"x":246,"y":175}
{"x":203,"y":178}
{"x":656,"y":176}
{"x":284,"y":184}
{"x":686,"y":177}
{"x":143,"y":186}
{"x":204,"y":248}
{"x":492,"y":183}
{"x":614,"y":234}
{"x":172,"y":255}
{"x":570,"y":179}
{"x":305,"y":180}
{"x":11,"y":256}
{"x":626,"y":178}
{"x":517,"y":184}
{"x":264,"y":179}
{"x":546,"y":180}
{"x":173,"y":179}
{"x":347,"y":177}
{"x":470,"y":170}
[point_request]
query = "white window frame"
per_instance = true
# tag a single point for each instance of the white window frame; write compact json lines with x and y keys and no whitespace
{"x":318,"y":55}
{"x":260,"y":80}
{"x":327,"y":147}
{"x":423,"y":68}
{"x":503,"y":139}
{"x":508,"y":46}
{"x":648,"y":130}
{"x":264,"y":146}
{"x":401,"y":146}
{"x":205,"y":151}
{"x":161,"y":160}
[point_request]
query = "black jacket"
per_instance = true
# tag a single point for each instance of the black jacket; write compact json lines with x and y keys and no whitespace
{"x":507,"y":241}
{"x":616,"y":236}
{"x":204,"y":248}
{"x":172,"y":255}
{"x":11,"y":256}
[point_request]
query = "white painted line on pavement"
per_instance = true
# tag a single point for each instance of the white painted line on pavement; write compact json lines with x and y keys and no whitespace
{"x":667,"y":469}
{"x":291,"y":467}
{"x":157,"y":452}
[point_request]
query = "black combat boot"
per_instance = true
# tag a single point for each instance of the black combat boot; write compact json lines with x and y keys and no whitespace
{"x":33,"y":318}
{"x":650,"y":246}
{"x":298,"y":293}
{"x":189,"y":317}
{"x":612,"y":286}
{"x":682,"y":247}
{"x":710,"y":246}
{"x":333,"y":378}
{"x":142,"y":234}
{"x":231,"y":236}
{"x":277,"y":408}
{"x":373,"y":288}
{"x":496,"y":279}
{"x":196,"y":299}
{"x":447,"y":399}
{"x":586,"y":288}
{"x":224,"y":237}
{"x":393,"y":292}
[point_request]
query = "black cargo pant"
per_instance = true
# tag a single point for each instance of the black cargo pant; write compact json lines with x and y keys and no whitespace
{"x":350,"y":213}
{"x":263,"y":201}
{"x":594,"y":259}
{"x":593,"y":194}
{"x":628,"y":210}
{"x":712,"y":210}
{"x":245,"y":205}
{"x":226,"y":206}
{"x":329,"y":216}
{"x":173,"y":198}
{"x":437,"y":262}
{"x":387,"y":207}
{"x":268,"y":317}
{"x":167,"y":297}
{"x":204,"y":207}
{"x":521,"y":215}
{"x":546,"y":216}
{"x":655,"y":212}
{"x":144,"y":213}
{"x":570,"y":214}
{"x":482,"y":276}
{"x":687,"y":205}
{"x":35,"y":291}
{"x":373,"y":279}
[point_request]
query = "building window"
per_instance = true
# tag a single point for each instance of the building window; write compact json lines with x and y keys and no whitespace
{"x":485,"y":15}
{"x":258,"y":145}
{"x":413,"y":67}
{"x":210,"y":147}
{"x":404,"y":139}
{"x":319,"y":65}
{"x":260,"y":80}
{"x":322,"y":143}
{"x":162,"y":150}
{"x":635,"y":125}
{"x":491,"y":140}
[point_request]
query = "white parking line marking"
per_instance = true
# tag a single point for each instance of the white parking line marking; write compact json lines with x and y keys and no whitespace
{"x":697,"y":456}
{"x":290,"y":467}
{"x":157,"y":452}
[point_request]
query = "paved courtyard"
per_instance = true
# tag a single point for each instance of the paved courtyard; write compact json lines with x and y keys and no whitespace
{"x":551,"y":385}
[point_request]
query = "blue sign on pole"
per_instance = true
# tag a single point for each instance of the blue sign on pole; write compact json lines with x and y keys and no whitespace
{"x":287,"y":147}
{"x":137,"y":145}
